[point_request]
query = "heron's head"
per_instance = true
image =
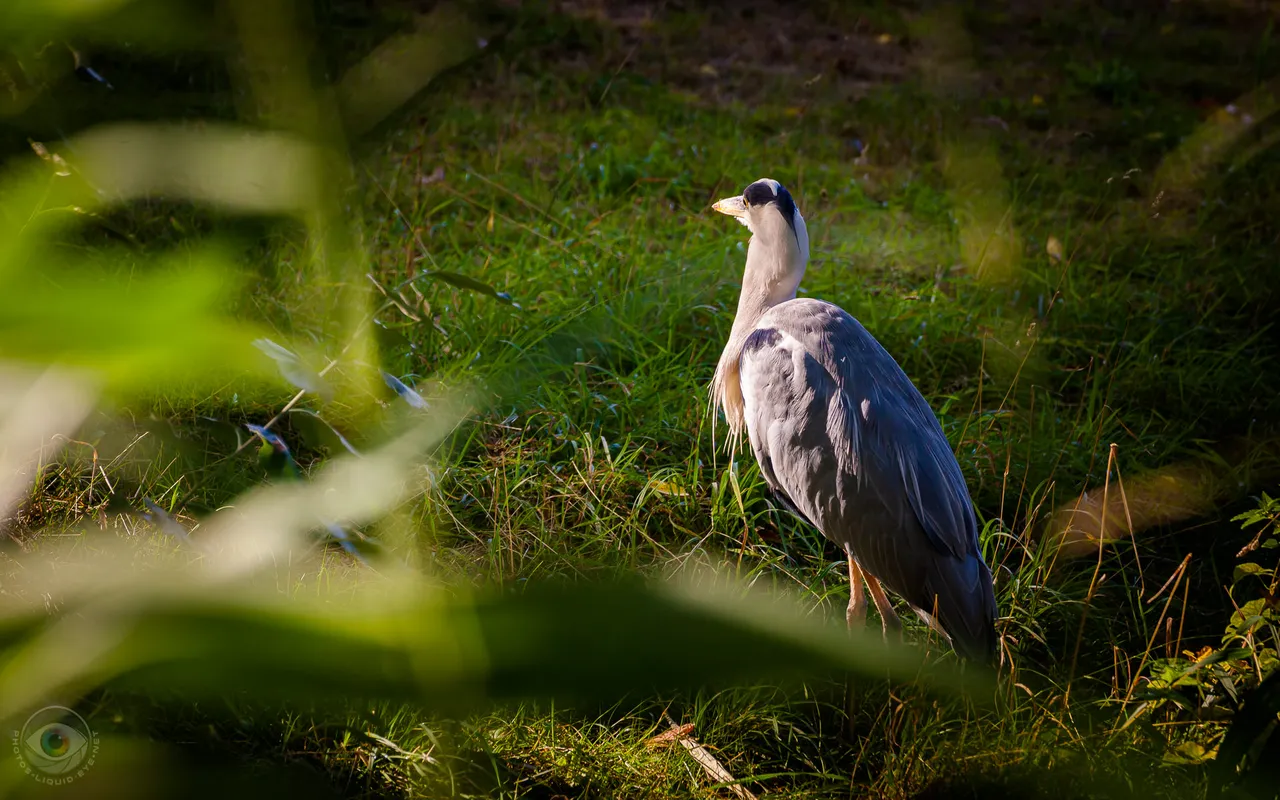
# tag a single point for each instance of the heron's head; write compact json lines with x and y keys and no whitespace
{"x":779,"y":239}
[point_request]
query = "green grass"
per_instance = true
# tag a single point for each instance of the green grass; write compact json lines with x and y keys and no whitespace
{"x":579,"y":161}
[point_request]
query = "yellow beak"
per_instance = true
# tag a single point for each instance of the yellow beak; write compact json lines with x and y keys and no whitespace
{"x":733,"y":206}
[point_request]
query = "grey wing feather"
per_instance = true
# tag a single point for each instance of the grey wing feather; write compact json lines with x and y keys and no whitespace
{"x":779,"y":493}
{"x":903,"y":426}
{"x":854,"y":446}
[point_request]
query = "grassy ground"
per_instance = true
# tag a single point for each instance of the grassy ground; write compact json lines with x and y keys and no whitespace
{"x":935,"y":158}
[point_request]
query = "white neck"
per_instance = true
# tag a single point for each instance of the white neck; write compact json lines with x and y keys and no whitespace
{"x":776,"y":260}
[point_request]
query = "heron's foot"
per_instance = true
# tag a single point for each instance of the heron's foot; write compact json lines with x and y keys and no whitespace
{"x":855,"y":616}
{"x":890,"y":624}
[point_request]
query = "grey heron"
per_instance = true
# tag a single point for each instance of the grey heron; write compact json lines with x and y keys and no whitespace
{"x":845,"y":441}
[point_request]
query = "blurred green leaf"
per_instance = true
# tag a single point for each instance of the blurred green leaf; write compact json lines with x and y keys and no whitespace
{"x":162,"y":327}
{"x":237,"y":168}
{"x":406,"y":641}
{"x":21,"y":15}
{"x":36,"y":410}
{"x":402,"y":65}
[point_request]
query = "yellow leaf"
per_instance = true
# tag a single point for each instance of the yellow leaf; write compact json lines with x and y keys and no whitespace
{"x":1054,"y":248}
{"x":1037,"y":100}
{"x":1190,"y":753}
{"x":667,"y":488}
{"x":884,"y":38}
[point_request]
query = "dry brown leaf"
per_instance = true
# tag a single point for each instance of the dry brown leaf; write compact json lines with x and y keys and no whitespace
{"x":665,"y":739}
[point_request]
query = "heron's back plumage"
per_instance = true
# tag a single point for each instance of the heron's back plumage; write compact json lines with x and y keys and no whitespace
{"x":843,"y":436}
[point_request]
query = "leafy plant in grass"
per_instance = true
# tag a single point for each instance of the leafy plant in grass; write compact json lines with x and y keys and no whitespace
{"x":1256,"y":623}
{"x":1215,"y":682}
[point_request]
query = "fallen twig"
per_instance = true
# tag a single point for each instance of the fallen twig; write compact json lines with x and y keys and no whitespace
{"x":714,"y":769}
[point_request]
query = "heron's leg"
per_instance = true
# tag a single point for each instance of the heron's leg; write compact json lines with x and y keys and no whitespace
{"x":857,"y":612}
{"x":888,"y":617}
{"x":856,"y":615}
